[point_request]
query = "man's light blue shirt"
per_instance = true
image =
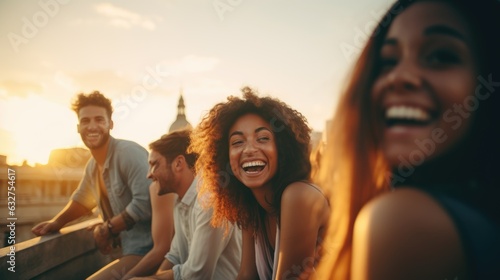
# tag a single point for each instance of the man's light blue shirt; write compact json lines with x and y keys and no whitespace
{"x":124,"y":174}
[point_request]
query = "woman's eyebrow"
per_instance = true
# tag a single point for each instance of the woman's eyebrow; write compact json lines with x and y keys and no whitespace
{"x":262,"y":128}
{"x":445,"y":30}
{"x":237,"y":132}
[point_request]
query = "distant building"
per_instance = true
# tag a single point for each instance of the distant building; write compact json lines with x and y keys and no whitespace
{"x":319,"y":141}
{"x":181,"y":121}
{"x":316,"y":137}
{"x":41,"y":191}
{"x":72,"y":157}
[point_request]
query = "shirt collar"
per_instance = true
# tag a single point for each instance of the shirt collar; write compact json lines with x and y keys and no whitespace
{"x":191,"y":193}
{"x":111,"y":146}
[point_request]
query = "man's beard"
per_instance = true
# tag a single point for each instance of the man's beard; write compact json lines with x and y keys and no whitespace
{"x":100,"y":144}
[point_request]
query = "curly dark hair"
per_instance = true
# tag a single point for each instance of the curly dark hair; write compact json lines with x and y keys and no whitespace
{"x":94,"y":98}
{"x":232,"y":201}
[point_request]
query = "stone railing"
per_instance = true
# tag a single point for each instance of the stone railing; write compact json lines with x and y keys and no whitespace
{"x":70,"y":254}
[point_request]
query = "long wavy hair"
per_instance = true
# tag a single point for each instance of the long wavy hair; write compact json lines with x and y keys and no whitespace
{"x":232,"y":201}
{"x":353,"y":168}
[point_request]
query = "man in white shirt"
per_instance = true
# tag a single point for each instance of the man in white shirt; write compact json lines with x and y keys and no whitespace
{"x":198,"y":250}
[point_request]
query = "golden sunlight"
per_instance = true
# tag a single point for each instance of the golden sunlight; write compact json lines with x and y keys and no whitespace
{"x":35,"y":127}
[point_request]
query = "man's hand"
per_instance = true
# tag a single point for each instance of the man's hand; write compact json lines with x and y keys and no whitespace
{"x":91,"y":227}
{"x":103,"y":240}
{"x":47,"y":227}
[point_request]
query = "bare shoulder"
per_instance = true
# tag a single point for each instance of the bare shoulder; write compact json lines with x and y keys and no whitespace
{"x":406,"y":234}
{"x":302,"y":192}
{"x":408,"y":206}
{"x":300,"y":188}
{"x":302,"y":197}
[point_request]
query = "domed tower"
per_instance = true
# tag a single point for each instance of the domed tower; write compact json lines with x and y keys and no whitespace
{"x":180,"y":122}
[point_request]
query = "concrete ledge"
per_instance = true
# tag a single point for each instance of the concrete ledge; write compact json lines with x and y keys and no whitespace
{"x":70,"y":254}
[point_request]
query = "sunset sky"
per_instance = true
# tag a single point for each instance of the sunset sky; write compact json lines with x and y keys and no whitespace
{"x":141,"y":53}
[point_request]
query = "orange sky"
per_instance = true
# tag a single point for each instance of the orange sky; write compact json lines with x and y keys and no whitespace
{"x":140,"y":53}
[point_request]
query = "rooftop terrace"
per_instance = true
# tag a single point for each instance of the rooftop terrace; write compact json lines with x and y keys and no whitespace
{"x":70,"y":254}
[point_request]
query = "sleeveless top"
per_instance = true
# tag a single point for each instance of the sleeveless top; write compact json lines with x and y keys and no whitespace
{"x":480,"y":236}
{"x":266,"y":259}
{"x":265,"y":256}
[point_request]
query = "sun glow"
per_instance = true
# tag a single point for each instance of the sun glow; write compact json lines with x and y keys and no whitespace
{"x":34,"y":126}
{"x":135,"y":54}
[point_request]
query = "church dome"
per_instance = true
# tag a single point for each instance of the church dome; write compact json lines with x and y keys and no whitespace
{"x":181,"y":121}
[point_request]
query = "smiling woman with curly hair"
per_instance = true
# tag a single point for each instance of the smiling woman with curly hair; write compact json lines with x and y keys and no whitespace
{"x":254,"y":162}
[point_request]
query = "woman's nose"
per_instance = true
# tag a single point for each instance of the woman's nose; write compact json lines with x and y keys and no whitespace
{"x":249,"y":148}
{"x":405,"y":76}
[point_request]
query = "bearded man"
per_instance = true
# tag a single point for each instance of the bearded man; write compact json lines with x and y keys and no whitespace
{"x":115,"y":181}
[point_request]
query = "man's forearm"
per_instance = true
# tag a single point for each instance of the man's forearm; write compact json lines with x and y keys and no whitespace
{"x":165,"y":265}
{"x":120,"y":223}
{"x":164,"y":275}
{"x":72,"y":211}
{"x":148,"y":265}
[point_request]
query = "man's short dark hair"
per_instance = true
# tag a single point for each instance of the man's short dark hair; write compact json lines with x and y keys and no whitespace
{"x":174,"y":144}
{"x":95,"y":98}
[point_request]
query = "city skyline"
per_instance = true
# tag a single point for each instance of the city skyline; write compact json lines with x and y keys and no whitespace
{"x":142,"y":54}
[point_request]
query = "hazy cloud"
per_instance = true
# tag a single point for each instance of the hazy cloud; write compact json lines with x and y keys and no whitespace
{"x":196,"y":64}
{"x":19,"y":88}
{"x":190,"y":64}
{"x":103,"y":80}
{"x":124,"y":18}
